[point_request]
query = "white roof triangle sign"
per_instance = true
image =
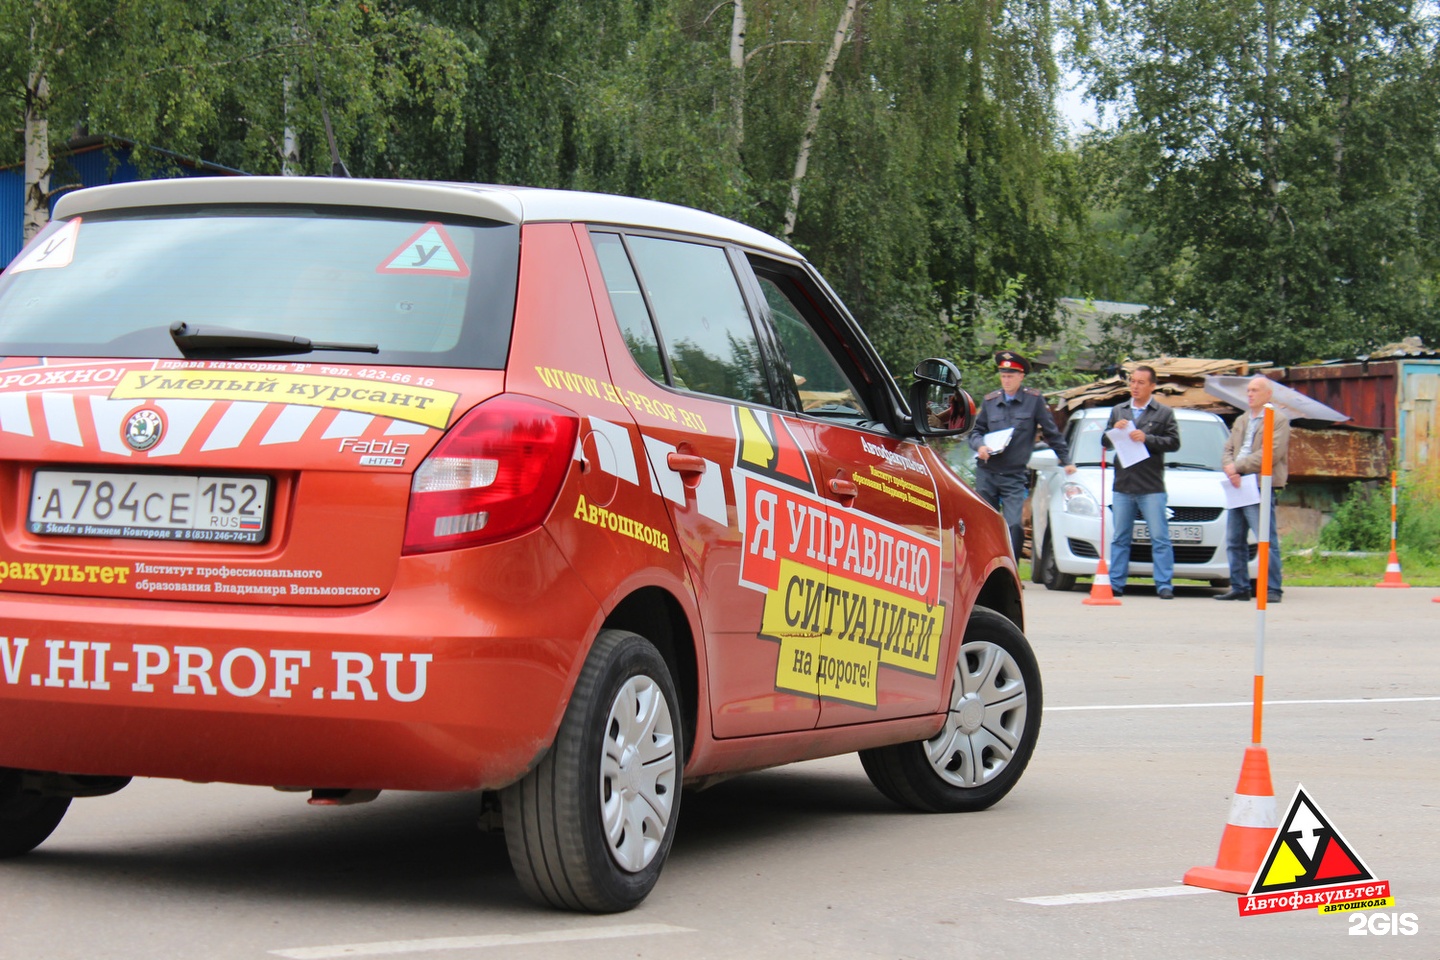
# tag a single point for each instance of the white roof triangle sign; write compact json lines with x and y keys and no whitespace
{"x":428,"y":251}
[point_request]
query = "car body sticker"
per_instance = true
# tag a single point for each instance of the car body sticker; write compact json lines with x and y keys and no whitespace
{"x":423,"y":405}
{"x":709,"y":492}
{"x":766,"y":446}
{"x":616,"y":456}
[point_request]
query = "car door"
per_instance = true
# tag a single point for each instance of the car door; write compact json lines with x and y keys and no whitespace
{"x":879,"y":631}
{"x":687,"y":361}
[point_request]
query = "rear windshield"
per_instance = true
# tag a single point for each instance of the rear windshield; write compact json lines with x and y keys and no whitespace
{"x":423,"y":290}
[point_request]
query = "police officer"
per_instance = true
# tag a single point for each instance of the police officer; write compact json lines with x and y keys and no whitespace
{"x":1001,"y":469}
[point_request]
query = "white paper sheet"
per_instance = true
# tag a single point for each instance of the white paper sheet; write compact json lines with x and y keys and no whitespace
{"x":1127,"y":451}
{"x":1242,"y":496}
{"x":998,"y":440}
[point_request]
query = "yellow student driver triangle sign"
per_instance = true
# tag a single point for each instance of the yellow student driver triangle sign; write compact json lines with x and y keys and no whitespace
{"x":429,"y":251}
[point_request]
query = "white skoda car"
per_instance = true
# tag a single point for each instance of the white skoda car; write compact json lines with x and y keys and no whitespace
{"x":1067,"y":508}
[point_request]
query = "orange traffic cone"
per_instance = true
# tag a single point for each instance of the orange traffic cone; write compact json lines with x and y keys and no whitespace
{"x":1392,"y":571}
{"x":1100,"y":593}
{"x":1248,"y":832}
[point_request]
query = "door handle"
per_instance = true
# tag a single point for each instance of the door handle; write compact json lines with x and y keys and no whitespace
{"x":845,"y":490}
{"x":689,"y":466}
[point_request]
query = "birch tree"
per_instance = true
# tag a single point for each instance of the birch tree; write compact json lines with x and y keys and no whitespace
{"x":812,"y":115}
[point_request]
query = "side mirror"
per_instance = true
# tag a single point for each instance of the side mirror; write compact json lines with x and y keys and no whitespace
{"x":1044,"y":459}
{"x":938,"y":407}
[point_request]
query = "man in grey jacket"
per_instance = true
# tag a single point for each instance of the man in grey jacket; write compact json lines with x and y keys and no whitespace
{"x":1243,"y":454}
{"x":1140,"y":487}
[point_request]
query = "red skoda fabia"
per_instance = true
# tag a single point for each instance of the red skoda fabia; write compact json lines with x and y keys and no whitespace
{"x":577,"y":500}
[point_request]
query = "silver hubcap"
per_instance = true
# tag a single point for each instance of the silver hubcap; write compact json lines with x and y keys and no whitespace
{"x":637,"y":773}
{"x":986,"y":720}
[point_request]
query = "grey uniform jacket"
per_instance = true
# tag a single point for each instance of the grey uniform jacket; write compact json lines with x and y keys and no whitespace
{"x":1028,"y":414}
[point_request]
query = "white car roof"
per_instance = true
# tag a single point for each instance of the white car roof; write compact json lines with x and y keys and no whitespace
{"x":505,"y":204}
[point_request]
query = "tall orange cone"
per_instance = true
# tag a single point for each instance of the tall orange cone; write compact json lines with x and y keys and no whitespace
{"x":1392,"y":571}
{"x":1392,"y":576}
{"x":1252,"y":825}
{"x":1101,"y":593}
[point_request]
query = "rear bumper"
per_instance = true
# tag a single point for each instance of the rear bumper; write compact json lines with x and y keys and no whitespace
{"x":455,"y":680}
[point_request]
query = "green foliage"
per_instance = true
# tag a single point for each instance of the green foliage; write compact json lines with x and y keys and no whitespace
{"x":223,"y":81}
{"x":1360,"y":522}
{"x":1418,"y":514}
{"x":1281,"y":158}
{"x":1273,"y":189}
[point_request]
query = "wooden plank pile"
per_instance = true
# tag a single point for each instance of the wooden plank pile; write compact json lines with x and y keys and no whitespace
{"x":1181,"y":384}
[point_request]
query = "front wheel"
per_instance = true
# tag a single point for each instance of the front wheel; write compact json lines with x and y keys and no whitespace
{"x":989,"y":733}
{"x":1050,"y":574}
{"x":589,"y":828}
{"x":26,"y":819}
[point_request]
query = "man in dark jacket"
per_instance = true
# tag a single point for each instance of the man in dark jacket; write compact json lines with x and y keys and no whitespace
{"x":1004,"y":438}
{"x":1140,"y":487}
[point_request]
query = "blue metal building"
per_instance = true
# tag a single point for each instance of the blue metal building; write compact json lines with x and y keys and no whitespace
{"x":85,"y":162}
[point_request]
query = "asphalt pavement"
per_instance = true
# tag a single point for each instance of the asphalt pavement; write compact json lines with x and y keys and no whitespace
{"x":1147,"y":717}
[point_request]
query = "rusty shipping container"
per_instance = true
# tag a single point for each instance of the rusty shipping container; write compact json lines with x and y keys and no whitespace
{"x":1397,"y":396}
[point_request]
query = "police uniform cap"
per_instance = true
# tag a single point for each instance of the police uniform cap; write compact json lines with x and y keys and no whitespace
{"x":1010,"y":360}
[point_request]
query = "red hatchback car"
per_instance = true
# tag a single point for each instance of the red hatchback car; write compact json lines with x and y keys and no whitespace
{"x":345,"y":486}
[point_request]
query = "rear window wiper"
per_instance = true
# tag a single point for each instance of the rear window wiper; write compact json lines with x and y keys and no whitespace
{"x":193,"y":341}
{"x":1192,"y":466}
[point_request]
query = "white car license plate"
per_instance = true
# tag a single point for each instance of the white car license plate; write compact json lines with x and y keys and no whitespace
{"x":222,"y":508}
{"x":1179,"y":533}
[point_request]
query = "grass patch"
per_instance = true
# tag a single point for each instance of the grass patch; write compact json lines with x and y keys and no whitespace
{"x":1417,"y":568}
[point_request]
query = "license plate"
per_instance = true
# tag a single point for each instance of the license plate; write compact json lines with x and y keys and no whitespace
{"x":1179,"y":533}
{"x":220,"y":508}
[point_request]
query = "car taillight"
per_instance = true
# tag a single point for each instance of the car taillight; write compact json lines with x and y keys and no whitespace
{"x":494,"y":475}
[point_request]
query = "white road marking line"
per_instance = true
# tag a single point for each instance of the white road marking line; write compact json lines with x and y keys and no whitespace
{"x":1238,"y":703}
{"x":384,"y":947}
{"x":1109,"y":896}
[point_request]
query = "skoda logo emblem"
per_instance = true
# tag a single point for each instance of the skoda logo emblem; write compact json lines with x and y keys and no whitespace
{"x":143,"y":429}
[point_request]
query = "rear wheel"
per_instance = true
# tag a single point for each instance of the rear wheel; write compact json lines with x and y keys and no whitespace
{"x":1050,"y":574}
{"x":590,"y":827}
{"x":26,"y":819}
{"x":989,"y":733}
{"x":1221,"y":583}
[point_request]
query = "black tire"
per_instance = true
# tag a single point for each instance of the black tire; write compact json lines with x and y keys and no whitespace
{"x":618,"y":758}
{"x":1221,"y":583}
{"x":26,"y":819}
{"x":1050,"y":574}
{"x":989,"y":733}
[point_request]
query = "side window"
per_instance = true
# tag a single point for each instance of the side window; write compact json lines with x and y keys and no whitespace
{"x":628,"y":303}
{"x":824,"y":388}
{"x":700,"y":312}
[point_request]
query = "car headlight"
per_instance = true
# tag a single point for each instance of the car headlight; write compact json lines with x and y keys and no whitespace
{"x":1078,"y":501}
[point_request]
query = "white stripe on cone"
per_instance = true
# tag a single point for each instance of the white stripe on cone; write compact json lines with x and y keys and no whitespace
{"x":1248,"y":811}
